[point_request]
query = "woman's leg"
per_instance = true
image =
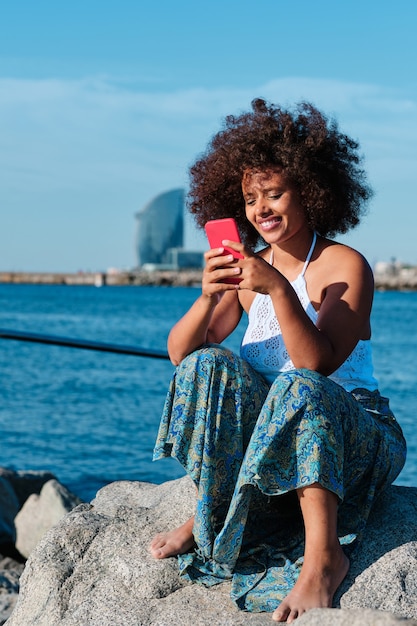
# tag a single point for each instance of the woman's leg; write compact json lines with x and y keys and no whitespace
{"x":308,"y":437}
{"x":315,"y":440}
{"x":209,"y":415}
{"x":325,"y":564}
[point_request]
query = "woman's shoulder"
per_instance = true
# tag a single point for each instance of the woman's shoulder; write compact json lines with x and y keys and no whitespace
{"x":330,"y":250}
{"x":339,"y":261}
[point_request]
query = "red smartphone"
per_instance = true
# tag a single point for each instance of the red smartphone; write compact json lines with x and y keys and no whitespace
{"x":216,"y":231}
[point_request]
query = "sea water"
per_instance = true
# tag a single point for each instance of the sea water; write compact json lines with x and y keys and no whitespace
{"x":92,"y":417}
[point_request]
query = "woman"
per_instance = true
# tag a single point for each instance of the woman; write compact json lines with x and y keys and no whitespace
{"x":289,"y":443}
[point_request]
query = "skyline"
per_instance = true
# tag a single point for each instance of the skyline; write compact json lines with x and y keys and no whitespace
{"x":104,"y":106}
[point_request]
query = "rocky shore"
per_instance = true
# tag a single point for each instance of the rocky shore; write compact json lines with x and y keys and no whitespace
{"x":88,"y":563}
{"x":30,"y":504}
{"x":384,"y":281}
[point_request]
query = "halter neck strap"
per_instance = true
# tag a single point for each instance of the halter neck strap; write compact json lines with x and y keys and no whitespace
{"x":307,"y":261}
{"x":310,"y":252}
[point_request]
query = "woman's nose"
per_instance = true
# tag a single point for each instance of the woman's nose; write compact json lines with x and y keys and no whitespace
{"x":260,"y":206}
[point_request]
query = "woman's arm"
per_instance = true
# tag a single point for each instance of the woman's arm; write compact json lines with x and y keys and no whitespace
{"x":345,"y":283}
{"x":213,"y":316}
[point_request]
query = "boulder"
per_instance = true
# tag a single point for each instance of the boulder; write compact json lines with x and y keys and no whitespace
{"x":15,"y":488}
{"x":40,"y":512}
{"x":10,"y":571}
{"x":31,"y":502}
{"x":25,"y":482}
{"x":94,"y":567}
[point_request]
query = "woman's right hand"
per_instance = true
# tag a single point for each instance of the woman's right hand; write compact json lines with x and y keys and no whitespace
{"x":211,"y":318}
{"x":218,"y":268}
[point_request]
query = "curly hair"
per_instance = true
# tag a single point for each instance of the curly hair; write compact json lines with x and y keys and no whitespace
{"x":320,"y":162}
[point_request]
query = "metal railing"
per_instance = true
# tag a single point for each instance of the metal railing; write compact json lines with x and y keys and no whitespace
{"x":81,"y":343}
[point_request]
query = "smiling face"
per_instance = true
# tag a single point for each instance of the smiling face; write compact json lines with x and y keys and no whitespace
{"x":272,"y":205}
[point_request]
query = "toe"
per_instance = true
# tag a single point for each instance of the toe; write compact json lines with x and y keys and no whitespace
{"x":280,"y":614}
{"x":292,"y":616}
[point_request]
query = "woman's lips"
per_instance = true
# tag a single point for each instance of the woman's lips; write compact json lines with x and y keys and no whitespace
{"x":270,"y":223}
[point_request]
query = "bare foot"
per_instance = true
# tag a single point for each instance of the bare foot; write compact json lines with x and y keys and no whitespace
{"x":315,"y":587}
{"x":174,"y":542}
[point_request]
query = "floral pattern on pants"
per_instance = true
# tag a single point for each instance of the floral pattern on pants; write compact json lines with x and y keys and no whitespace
{"x":249,"y":446}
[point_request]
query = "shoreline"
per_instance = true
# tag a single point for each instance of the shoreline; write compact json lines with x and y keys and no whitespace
{"x":164,"y":278}
{"x":182,"y":278}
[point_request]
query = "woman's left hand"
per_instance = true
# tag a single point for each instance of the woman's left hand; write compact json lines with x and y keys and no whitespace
{"x":256,"y":274}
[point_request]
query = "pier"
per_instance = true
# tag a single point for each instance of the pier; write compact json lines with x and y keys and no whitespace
{"x":388,"y":278}
{"x":181,"y":278}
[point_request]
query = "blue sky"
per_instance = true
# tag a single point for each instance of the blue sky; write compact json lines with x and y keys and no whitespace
{"x":104,"y":104}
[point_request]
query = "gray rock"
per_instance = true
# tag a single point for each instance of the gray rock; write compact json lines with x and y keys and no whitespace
{"x":10,"y":572}
{"x":94,"y":567}
{"x":24,"y":517}
{"x":15,"y":488}
{"x":40,"y":512}
{"x":24,"y":483}
{"x":9,"y":506}
{"x":354,"y":617}
{"x":383,"y":573}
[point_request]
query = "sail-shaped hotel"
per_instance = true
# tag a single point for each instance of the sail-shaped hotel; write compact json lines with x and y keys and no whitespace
{"x":160,"y":234}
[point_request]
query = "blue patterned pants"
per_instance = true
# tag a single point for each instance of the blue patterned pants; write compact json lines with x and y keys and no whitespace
{"x":249,"y":446}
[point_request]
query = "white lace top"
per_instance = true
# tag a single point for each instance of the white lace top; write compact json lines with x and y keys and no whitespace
{"x":263,"y":346}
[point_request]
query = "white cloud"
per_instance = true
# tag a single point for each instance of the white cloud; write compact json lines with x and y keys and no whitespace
{"x":107,"y":142}
{"x":81,"y":118}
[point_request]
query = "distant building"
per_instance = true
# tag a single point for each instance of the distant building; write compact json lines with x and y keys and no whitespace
{"x":182,"y":259}
{"x":160,"y":227}
{"x":395,"y":275}
{"x":160,"y":234}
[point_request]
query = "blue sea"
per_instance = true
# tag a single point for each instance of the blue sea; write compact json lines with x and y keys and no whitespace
{"x":92,"y":417}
